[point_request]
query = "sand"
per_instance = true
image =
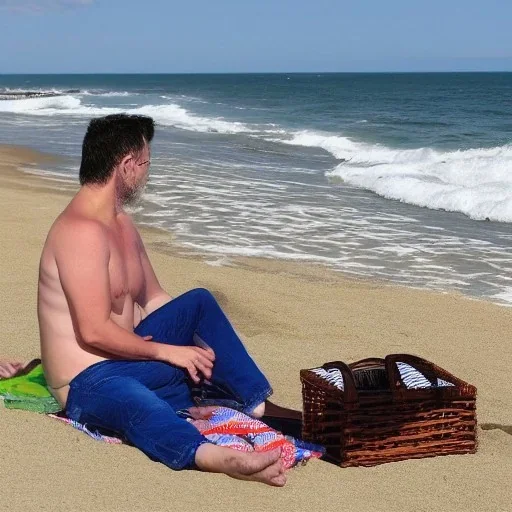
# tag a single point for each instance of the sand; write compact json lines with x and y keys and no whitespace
{"x":290,"y":316}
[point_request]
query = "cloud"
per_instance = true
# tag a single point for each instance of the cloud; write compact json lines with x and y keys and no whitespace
{"x":38,"y":6}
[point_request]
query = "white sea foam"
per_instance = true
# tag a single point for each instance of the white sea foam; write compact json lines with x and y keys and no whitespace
{"x":78,"y":92}
{"x":41,"y":106}
{"x":22,"y":91}
{"x":109,"y":94}
{"x":505,"y":296}
{"x":167,"y":114}
{"x":476,"y":182}
{"x":174,"y":115}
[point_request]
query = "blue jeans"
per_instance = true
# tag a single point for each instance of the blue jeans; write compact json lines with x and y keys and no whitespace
{"x":143,"y":401}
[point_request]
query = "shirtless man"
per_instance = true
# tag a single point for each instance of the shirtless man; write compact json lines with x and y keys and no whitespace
{"x":118,"y":352}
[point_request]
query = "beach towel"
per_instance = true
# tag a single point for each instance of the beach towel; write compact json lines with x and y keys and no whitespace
{"x":29,"y":391}
{"x":227,"y":427}
{"x":223,"y":426}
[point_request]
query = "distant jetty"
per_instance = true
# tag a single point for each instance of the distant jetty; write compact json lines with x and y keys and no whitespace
{"x":25,"y":95}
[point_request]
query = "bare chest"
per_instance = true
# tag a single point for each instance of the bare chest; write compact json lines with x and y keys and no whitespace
{"x":125,"y":271}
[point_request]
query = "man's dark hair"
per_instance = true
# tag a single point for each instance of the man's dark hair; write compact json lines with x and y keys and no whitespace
{"x":108,"y":140}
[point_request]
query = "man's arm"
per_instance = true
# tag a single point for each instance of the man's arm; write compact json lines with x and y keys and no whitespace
{"x":153,"y":295}
{"x":82,"y":256}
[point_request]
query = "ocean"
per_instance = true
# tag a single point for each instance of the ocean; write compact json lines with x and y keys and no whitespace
{"x":405,"y":178}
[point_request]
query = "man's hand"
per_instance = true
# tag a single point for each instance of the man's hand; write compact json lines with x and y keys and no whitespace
{"x":194,"y":359}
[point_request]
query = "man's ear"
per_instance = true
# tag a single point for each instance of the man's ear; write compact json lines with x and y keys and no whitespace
{"x":126,"y":166}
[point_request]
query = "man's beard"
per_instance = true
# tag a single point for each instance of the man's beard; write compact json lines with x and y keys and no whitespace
{"x":131,"y":196}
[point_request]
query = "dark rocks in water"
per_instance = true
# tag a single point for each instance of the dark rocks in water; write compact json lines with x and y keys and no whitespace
{"x":24,"y":95}
{"x":27,"y":95}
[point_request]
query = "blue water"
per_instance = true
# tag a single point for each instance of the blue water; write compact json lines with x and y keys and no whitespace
{"x":401,"y":177}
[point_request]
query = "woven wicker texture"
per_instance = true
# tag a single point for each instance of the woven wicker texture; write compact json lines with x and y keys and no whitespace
{"x":377,"y":419}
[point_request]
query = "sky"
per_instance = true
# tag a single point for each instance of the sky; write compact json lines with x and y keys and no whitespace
{"x":230,"y":36}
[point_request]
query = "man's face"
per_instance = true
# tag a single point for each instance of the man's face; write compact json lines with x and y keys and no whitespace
{"x":133,"y":190}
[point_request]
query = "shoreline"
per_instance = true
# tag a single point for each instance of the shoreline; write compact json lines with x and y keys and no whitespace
{"x":289,"y":318}
{"x":162,"y":240}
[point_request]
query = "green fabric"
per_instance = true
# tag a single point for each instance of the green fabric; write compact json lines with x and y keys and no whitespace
{"x":29,"y":392}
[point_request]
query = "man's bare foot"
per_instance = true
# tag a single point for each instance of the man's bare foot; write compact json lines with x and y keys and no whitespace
{"x":264,"y":467}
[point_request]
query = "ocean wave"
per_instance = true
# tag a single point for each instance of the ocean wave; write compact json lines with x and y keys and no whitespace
{"x":107,"y":94}
{"x":8,"y":93}
{"x":476,"y":182}
{"x":179,"y":117}
{"x":41,"y":106}
{"x":183,"y":97}
{"x":168,"y":114}
{"x":34,"y":92}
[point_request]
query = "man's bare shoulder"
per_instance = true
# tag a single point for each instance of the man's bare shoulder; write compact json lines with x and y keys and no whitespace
{"x":71,"y":228}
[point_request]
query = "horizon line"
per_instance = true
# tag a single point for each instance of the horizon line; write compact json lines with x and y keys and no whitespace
{"x":253,"y":72}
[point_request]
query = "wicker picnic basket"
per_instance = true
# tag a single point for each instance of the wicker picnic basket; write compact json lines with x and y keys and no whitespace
{"x":370,"y":412}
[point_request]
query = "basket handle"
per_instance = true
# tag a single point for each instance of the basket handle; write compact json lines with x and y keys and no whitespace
{"x":366,"y":363}
{"x":350,"y":395}
{"x":425,"y":367}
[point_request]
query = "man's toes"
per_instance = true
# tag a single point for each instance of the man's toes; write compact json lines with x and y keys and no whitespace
{"x":273,"y":475}
{"x":279,"y":481}
{"x":267,"y":459}
{"x":255,"y":462}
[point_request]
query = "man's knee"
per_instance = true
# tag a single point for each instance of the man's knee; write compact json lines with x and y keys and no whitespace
{"x":203,"y":295}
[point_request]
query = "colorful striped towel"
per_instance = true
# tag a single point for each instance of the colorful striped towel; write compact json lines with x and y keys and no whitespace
{"x":227,"y":427}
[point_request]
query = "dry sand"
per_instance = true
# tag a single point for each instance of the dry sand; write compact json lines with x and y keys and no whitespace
{"x":290,"y":317}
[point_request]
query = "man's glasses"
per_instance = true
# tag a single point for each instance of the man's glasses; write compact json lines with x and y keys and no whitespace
{"x":144,"y":163}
